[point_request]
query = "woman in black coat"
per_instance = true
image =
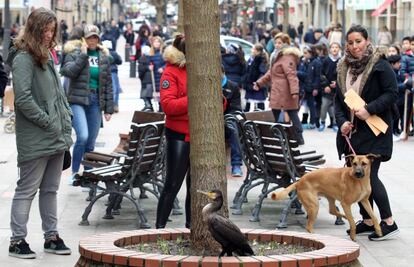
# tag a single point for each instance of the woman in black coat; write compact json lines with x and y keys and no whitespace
{"x":257,"y":66}
{"x":367,"y":72}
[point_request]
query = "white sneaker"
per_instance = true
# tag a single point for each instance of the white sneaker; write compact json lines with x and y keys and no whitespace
{"x":395,"y":138}
{"x":403,"y":136}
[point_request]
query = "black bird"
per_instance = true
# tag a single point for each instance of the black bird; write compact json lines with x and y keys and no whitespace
{"x":222,"y":229}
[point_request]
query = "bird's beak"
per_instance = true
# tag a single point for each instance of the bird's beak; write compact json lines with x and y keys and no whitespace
{"x":204,"y":193}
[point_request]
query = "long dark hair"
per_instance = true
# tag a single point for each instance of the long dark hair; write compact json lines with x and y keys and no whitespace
{"x":30,"y":39}
{"x":179,"y":42}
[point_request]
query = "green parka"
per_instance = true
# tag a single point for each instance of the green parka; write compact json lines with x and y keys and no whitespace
{"x":43,"y":116}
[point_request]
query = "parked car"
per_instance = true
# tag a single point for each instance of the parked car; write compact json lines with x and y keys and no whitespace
{"x":225,"y":40}
{"x":245,"y":45}
{"x":136,"y":23}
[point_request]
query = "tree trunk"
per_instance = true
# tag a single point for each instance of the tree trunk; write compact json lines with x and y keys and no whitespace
{"x":244,"y":27}
{"x":285,"y":16}
{"x":233,"y":11}
{"x":180,"y":24}
{"x":160,"y":14}
{"x":205,"y":109}
{"x":160,"y":8}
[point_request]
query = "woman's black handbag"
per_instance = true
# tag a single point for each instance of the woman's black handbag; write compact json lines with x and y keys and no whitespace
{"x":67,"y":160}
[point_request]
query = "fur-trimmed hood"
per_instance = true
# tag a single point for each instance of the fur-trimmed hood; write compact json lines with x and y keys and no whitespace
{"x":285,"y":51}
{"x":290,"y":50}
{"x":343,"y":69}
{"x":174,"y":56}
{"x":73,"y":45}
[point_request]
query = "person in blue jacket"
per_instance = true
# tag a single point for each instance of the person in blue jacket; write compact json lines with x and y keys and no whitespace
{"x":158,"y":65}
{"x":312,"y":83}
{"x":404,"y":85}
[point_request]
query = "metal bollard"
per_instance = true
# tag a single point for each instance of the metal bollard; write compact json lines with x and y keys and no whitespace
{"x":132,"y":67}
{"x":127,"y":52}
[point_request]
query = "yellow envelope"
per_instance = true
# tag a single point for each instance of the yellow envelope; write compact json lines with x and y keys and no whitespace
{"x":375,"y":123}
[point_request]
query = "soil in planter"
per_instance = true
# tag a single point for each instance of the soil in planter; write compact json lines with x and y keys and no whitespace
{"x":183,"y":247}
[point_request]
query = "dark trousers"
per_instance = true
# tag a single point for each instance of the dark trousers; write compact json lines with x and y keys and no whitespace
{"x":378,"y":194}
{"x":260,"y":106}
{"x":294,"y":117}
{"x":178,"y":165}
{"x":311,"y":102}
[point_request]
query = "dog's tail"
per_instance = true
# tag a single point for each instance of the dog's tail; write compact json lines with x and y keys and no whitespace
{"x":284,"y":193}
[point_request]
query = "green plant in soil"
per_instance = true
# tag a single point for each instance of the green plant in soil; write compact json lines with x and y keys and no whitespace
{"x":182,"y":246}
{"x":163,"y":246}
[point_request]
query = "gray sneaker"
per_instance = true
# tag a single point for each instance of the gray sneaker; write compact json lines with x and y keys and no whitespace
{"x":20,"y":249}
{"x":56,"y":246}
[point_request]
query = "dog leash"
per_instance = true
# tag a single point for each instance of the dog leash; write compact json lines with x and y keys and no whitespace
{"x":349,"y":143}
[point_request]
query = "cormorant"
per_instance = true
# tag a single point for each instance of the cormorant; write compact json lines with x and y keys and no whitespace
{"x":222,"y":229}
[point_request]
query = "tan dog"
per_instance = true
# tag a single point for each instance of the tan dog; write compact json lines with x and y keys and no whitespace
{"x":348,"y":185}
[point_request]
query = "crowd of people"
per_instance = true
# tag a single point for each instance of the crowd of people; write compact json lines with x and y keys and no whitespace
{"x":302,"y":75}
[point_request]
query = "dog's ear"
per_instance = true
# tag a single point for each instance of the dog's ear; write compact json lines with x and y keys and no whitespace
{"x":371,"y":156}
{"x":350,"y":157}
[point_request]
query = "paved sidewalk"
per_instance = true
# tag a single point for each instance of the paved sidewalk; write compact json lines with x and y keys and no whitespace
{"x":395,"y":174}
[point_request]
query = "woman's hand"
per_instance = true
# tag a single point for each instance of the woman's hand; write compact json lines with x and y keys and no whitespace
{"x":256,"y":87}
{"x":362,"y":113}
{"x":346,"y":127}
{"x":160,"y":70}
{"x":315,"y":92}
{"x":107,"y":116}
{"x":84,"y":48}
{"x":327,"y":90}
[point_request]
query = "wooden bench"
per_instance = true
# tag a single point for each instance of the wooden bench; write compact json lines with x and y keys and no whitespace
{"x":309,"y":157}
{"x":271,"y":157}
{"x":97,"y":159}
{"x":143,"y":164}
{"x":267,"y":156}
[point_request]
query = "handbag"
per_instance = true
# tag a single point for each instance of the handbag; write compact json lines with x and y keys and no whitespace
{"x":67,"y":160}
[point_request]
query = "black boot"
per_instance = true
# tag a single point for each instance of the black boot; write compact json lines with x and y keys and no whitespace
{"x":178,"y":160}
{"x":188,"y":201}
{"x":247,"y":108}
{"x":148,"y":105}
{"x":305,"y":118}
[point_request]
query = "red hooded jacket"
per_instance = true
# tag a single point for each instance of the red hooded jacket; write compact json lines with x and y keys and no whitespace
{"x":173,"y":92}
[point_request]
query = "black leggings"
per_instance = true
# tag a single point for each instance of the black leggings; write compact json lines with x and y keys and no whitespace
{"x":260,"y":106}
{"x":178,"y":164}
{"x":378,"y":194}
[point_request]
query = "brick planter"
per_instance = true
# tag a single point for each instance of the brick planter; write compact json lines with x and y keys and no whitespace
{"x":106,"y":250}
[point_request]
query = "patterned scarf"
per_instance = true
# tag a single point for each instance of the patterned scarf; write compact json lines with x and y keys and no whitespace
{"x":357,"y":65}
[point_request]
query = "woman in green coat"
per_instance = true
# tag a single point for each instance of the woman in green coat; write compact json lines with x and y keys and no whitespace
{"x":43,"y":132}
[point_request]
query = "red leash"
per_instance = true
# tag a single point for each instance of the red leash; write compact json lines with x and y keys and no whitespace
{"x":349,"y":143}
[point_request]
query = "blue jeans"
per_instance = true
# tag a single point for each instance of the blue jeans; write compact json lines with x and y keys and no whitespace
{"x":235,"y":153}
{"x":116,"y":87}
{"x":86,"y":122}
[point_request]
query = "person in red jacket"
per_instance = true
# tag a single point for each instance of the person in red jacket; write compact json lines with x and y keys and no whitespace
{"x":174,"y":102}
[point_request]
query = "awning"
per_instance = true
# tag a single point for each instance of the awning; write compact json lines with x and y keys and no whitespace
{"x":381,"y":8}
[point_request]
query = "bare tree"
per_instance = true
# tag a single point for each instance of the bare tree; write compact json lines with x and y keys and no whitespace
{"x":205,"y":111}
{"x":160,"y":8}
{"x":180,"y":24}
{"x":285,"y":5}
{"x":244,"y":26}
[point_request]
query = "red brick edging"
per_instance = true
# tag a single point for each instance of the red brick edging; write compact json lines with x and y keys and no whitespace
{"x":107,"y":249}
